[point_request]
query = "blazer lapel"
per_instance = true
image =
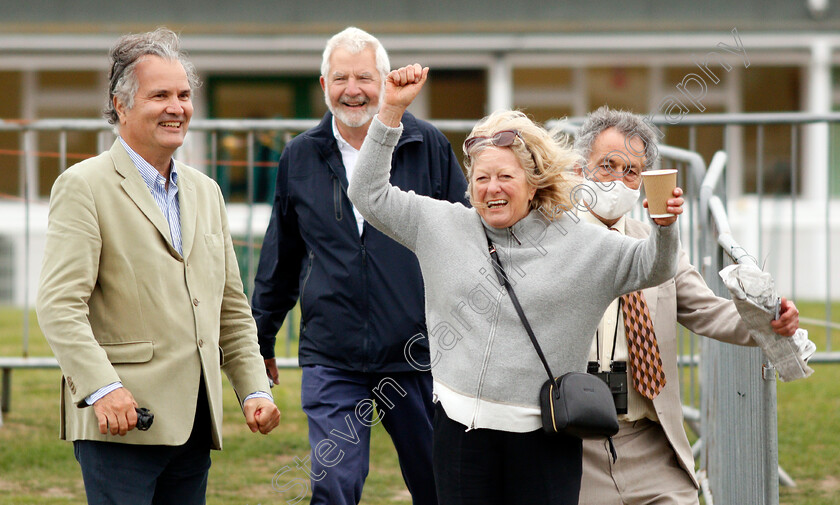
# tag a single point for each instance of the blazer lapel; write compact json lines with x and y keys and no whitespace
{"x":187,"y":204}
{"x":136,"y":188}
{"x":636,"y":230}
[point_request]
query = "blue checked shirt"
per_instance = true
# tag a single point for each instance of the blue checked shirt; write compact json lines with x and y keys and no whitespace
{"x":167,"y":201}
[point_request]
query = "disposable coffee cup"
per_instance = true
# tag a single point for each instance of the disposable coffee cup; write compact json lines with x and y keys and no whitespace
{"x":659,"y":187}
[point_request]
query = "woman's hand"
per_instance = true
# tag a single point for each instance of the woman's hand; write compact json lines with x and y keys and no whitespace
{"x":401,"y":87}
{"x":674,"y":207}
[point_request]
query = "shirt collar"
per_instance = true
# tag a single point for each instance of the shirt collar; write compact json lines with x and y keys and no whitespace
{"x":149,"y":173}
{"x":342,"y":144}
{"x":587,"y":217}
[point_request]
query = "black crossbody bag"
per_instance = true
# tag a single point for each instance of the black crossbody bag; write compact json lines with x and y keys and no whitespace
{"x":578,"y":404}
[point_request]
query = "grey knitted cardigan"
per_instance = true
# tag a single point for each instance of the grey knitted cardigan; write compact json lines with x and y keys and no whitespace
{"x":565,"y":274}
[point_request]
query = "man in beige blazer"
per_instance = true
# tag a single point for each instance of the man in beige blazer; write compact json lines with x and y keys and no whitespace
{"x":140,"y":296}
{"x":654,"y":464}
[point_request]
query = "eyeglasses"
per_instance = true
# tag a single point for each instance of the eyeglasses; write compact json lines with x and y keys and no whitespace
{"x":504,"y":138}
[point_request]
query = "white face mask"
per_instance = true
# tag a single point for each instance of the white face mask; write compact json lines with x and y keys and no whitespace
{"x":612,"y":199}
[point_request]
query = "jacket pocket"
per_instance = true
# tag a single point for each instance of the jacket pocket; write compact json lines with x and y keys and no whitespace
{"x":303,"y":311}
{"x":337,"y":198}
{"x":129,"y":352}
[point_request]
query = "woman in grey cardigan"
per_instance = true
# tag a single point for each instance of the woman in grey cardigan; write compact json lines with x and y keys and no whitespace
{"x":489,"y":446}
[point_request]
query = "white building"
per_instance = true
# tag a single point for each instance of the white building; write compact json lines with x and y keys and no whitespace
{"x":261,"y":59}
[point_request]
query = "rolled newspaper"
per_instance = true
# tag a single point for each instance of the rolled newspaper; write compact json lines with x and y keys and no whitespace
{"x":754,"y":294}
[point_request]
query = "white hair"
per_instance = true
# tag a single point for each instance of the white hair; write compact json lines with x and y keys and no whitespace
{"x":355,"y":41}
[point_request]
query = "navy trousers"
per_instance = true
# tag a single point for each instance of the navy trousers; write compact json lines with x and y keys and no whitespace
{"x":340,"y":408}
{"x":124,"y":474}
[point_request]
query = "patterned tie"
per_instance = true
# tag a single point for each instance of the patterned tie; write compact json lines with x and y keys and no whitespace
{"x":645,"y":363}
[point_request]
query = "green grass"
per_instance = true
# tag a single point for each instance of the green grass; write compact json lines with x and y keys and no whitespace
{"x":809,"y":423}
{"x":37,"y":468}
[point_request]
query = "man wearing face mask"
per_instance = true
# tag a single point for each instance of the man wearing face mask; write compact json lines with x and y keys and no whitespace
{"x":654,"y":464}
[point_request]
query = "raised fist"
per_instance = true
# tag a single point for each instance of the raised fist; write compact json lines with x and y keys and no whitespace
{"x":403,"y":85}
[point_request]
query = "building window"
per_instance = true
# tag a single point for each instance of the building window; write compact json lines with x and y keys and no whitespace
{"x":834,"y":138}
{"x":238,"y":97}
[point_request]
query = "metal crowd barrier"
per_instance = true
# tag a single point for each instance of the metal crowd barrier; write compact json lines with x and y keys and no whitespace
{"x":710,"y":242}
{"x":737,"y":413}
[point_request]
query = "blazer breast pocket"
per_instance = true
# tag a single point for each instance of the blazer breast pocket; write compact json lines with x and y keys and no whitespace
{"x":660,"y":298}
{"x":667,"y":288}
{"x":214,"y":240}
{"x":215,"y":243}
{"x":212,"y":266}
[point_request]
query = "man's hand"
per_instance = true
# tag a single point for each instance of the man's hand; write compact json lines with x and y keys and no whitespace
{"x":115,"y":412}
{"x":261,"y":415}
{"x":674,"y":207}
{"x":788,"y":321}
{"x":401,"y":87}
{"x":271,"y":370}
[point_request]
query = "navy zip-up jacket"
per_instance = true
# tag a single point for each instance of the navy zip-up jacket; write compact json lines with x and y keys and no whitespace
{"x":361,"y":297}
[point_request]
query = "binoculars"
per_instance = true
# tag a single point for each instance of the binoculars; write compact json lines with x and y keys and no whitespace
{"x":144,"y":419}
{"x":616,"y":380}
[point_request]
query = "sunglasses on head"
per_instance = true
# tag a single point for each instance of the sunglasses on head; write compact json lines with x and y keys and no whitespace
{"x":504,"y":138}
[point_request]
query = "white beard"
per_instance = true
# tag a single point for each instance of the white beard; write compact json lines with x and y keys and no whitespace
{"x":353,"y":118}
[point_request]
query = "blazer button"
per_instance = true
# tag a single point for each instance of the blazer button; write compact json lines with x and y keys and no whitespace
{"x":200,"y":343}
{"x":195,"y":302}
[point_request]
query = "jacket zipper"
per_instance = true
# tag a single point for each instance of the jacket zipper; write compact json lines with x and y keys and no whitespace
{"x":514,"y":236}
{"x":486,"y":359}
{"x":337,"y":203}
{"x":366,"y":344}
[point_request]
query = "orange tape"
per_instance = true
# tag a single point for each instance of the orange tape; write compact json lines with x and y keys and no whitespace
{"x":46,"y":154}
{"x":16,"y":198}
{"x":4,"y":196}
{"x":84,"y":156}
{"x":245,"y":244}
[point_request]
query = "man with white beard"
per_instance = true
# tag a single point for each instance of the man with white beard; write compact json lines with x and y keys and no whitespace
{"x":361,"y":293}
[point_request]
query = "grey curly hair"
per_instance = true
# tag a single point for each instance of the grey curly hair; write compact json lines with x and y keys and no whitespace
{"x":628,"y":124}
{"x":128,"y":51}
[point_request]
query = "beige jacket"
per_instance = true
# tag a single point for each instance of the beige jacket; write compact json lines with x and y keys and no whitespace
{"x":117,"y":302}
{"x":687,"y":300}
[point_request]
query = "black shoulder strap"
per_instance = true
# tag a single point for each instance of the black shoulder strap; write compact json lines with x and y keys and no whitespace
{"x":503,"y":280}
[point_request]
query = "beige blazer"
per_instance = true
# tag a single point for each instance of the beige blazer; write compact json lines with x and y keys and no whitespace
{"x":688,"y":300}
{"x":117,"y":302}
